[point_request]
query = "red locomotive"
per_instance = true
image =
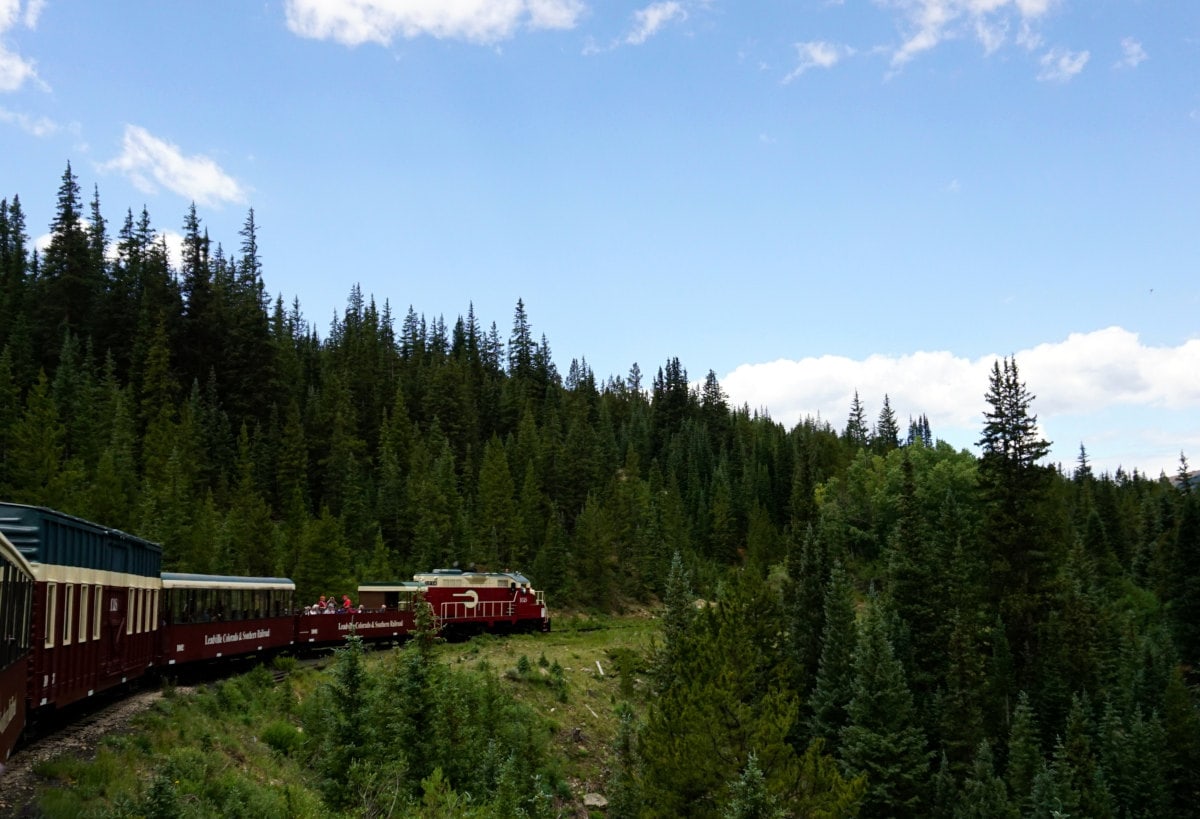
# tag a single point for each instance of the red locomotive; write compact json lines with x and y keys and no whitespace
{"x":85,"y":609}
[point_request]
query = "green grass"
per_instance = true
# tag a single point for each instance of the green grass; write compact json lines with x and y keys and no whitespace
{"x":603,"y":662}
{"x":236,"y":749}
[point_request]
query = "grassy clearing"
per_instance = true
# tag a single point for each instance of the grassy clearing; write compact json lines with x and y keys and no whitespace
{"x":603,"y":662}
{"x":236,"y":749}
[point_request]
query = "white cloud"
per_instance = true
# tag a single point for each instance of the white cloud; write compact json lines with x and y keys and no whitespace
{"x":1060,"y":65}
{"x":34,"y":126}
{"x":149,"y":162}
{"x":647,"y":21}
{"x":928,"y":23}
{"x":1132,"y":54}
{"x":354,"y":22}
{"x":817,"y":54}
{"x":1105,"y":387}
{"x":16,"y":70}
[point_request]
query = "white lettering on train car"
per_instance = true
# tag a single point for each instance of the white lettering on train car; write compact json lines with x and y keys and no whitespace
{"x":236,"y":637}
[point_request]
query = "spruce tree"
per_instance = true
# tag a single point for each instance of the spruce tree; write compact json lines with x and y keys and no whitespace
{"x":835,"y":680}
{"x":498,"y":527}
{"x":804,"y":594}
{"x":38,"y":448}
{"x":883,"y":738}
{"x":1021,"y":542}
{"x":68,"y":285}
{"x":856,"y":434}
{"x":1024,"y":754}
{"x":983,"y":793}
{"x":678,"y":617}
{"x":887,"y":430}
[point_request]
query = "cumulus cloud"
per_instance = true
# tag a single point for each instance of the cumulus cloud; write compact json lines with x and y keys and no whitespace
{"x":354,"y":22}
{"x":1060,"y":65}
{"x":34,"y":126}
{"x":648,"y":21}
{"x":928,"y":23}
{"x":817,"y":54}
{"x":150,"y":162}
{"x":1132,"y":54}
{"x":1081,"y":384}
{"x":16,"y":70}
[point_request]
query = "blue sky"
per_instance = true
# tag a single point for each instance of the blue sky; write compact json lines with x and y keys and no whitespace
{"x":807,"y":198}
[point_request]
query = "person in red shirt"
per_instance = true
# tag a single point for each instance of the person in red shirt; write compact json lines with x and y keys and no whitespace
{"x":346,"y":604}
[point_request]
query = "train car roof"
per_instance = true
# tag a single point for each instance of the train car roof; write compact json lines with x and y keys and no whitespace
{"x":55,"y":538}
{"x":391,"y":585}
{"x":179,"y":580}
{"x":12,"y":554}
{"x":426,"y":577}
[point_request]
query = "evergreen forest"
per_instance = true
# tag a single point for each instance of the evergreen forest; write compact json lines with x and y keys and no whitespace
{"x":856,"y":620}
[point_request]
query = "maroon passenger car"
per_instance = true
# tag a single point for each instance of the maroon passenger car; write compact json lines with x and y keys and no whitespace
{"x":207,"y":617}
{"x":16,"y":613}
{"x":95,"y":602}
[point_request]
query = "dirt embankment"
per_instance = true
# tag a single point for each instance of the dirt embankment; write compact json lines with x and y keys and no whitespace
{"x":18,"y":782}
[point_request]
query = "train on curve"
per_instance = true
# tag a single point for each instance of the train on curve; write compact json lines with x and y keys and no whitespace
{"x":85,"y":609}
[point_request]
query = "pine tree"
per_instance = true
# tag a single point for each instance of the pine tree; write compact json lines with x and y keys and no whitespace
{"x":1021,"y":541}
{"x":724,"y":701}
{"x":983,"y":794}
{"x":1077,"y":761}
{"x":68,"y":286}
{"x":10,"y":412}
{"x":251,"y":531}
{"x":678,"y":617}
{"x":1183,"y":604}
{"x":856,"y":434}
{"x":883,"y":738}
{"x":749,"y":797}
{"x":804,"y":596}
{"x":37,"y":449}
{"x":1024,"y":754}
{"x":959,"y":706}
{"x":497,"y":524}
{"x":835,"y":680}
{"x":887,"y":430}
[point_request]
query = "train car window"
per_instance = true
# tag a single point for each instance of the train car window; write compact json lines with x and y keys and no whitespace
{"x":83,"y":612}
{"x":68,"y":613}
{"x":7,"y":616}
{"x":97,"y":608}
{"x":51,"y":609}
{"x":153,"y":609}
{"x":128,"y":612}
{"x":27,"y":616}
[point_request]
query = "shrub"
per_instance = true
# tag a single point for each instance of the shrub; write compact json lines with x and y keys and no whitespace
{"x":283,"y":737}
